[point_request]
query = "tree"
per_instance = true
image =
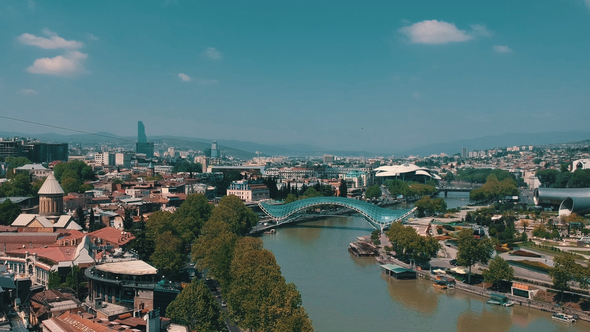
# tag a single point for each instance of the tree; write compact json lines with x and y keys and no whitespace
{"x":290,"y":198}
{"x":498,"y":270}
{"x":342,"y":189}
{"x":427,"y":205}
{"x":128,"y":220}
{"x":191,"y":216}
{"x":373,"y":192}
{"x":79,"y":215}
{"x":196,"y":308}
{"x":473,"y":251}
{"x":311,"y":192}
{"x":232,"y":210}
{"x":168,"y":257}
{"x":54,"y":280}
{"x":142,"y":245}
{"x":214,"y":250}
{"x":8,"y":212}
{"x":449,"y":177}
{"x":564,"y":270}
{"x":15,"y":162}
{"x":18,"y":185}
{"x":158,"y":223}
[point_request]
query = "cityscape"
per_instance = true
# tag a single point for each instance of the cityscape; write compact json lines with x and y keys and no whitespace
{"x":179,"y":166}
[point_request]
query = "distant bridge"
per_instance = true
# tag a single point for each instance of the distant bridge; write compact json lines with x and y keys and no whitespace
{"x":378,"y":217}
{"x":446,"y":190}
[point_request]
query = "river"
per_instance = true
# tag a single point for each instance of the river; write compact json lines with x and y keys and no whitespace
{"x":343,"y":293}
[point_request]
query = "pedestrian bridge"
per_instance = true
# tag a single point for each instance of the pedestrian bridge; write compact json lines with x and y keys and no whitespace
{"x":378,"y":217}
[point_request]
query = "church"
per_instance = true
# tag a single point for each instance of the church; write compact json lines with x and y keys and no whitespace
{"x":51,"y":217}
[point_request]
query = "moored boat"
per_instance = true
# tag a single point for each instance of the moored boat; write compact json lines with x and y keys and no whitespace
{"x":563,"y":317}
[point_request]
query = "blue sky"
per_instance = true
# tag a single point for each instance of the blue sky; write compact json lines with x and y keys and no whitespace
{"x":379,"y":76}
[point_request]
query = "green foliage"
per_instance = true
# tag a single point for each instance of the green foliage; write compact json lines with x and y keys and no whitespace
{"x":214,"y":250}
{"x":326,"y":190}
{"x":232,"y":210}
{"x":473,"y":251}
{"x":580,"y":179}
{"x":343,"y":189}
{"x":15,"y":162}
{"x":494,"y":189}
{"x":407,"y":244}
{"x":449,"y":177}
{"x":128,"y":220}
{"x":291,"y":198}
{"x":427,"y":205}
{"x":565,"y":270}
{"x":8,"y":212}
{"x":158,"y":223}
{"x":54,"y":280}
{"x":373,"y":192}
{"x":18,"y":185}
{"x":143,"y":245}
{"x":168,"y":257}
{"x":196,"y":308}
{"x":480,"y":175}
{"x":498,"y":270}
{"x":311,"y":192}
{"x":187,"y":167}
{"x":191,"y":216}
{"x":73,"y":174}
{"x":259,"y":298}
{"x":541,"y":232}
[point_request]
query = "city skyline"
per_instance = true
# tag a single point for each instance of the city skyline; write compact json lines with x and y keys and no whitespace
{"x":390,"y":76}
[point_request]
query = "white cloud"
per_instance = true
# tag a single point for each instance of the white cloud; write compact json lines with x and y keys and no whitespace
{"x":184,"y":77}
{"x":502,"y":49}
{"x":440,"y":32}
{"x":480,"y":30}
{"x":212,"y":53}
{"x":28,"y":92}
{"x":54,"y":41}
{"x":91,"y":36}
{"x":62,"y":65}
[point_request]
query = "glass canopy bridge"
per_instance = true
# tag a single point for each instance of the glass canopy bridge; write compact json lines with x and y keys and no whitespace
{"x":378,"y":217}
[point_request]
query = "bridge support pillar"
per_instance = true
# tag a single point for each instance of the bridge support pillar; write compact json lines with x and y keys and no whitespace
{"x":446,"y":193}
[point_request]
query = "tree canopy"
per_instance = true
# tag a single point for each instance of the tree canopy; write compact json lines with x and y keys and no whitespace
{"x":232,"y":210}
{"x":8,"y":212}
{"x":373,"y":192}
{"x":427,"y":205}
{"x":196,"y":308}
{"x":473,"y":251}
{"x":494,"y":189}
{"x":498,"y":270}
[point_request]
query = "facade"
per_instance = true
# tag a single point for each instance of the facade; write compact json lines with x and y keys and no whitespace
{"x":249,"y":191}
{"x":130,"y":282}
{"x":328,"y":159}
{"x":123,"y":160}
{"x":355,"y":179}
{"x":464,"y":153}
{"x":36,"y":151}
{"x":104,"y":158}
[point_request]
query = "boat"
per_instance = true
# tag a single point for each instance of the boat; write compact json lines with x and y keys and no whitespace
{"x":499,"y":299}
{"x":563,"y":317}
{"x":440,"y":284}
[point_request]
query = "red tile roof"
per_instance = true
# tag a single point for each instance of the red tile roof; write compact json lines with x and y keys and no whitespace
{"x":113,"y":235}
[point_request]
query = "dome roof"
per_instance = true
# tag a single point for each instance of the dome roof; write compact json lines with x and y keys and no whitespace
{"x":51,"y":186}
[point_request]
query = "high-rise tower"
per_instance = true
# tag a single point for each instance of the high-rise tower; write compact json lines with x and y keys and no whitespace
{"x":141,"y":138}
{"x":142,"y":145}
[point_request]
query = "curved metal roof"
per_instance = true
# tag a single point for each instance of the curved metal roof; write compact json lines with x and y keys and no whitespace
{"x":377,"y":216}
{"x":51,"y":186}
{"x":398,"y":170}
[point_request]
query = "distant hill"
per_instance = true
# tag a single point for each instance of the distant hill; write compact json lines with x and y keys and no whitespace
{"x":235,"y":148}
{"x":504,"y":140}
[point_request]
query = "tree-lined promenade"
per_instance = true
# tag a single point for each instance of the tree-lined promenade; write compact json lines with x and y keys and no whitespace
{"x":258,"y":297}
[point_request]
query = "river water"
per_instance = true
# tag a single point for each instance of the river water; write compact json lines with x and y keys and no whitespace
{"x":343,"y":293}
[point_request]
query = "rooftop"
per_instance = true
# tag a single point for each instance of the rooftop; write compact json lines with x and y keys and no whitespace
{"x":51,"y":186}
{"x":136,"y":267}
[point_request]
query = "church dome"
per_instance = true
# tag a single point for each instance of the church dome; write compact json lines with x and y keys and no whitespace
{"x":51,"y":186}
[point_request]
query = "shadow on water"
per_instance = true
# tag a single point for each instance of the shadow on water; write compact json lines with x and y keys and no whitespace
{"x":363,"y":261}
{"x":496,"y":319}
{"x":418,"y":295}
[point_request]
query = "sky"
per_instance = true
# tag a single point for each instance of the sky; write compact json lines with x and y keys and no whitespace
{"x":349,"y":75}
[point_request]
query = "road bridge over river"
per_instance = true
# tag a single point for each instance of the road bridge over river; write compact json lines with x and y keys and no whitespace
{"x":378,"y":217}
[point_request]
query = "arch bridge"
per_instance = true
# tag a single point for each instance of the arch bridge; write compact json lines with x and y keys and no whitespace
{"x":378,"y":217}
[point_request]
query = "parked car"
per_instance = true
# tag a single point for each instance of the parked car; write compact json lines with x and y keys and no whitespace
{"x":453,"y":262}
